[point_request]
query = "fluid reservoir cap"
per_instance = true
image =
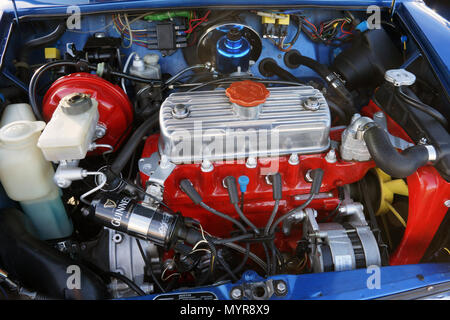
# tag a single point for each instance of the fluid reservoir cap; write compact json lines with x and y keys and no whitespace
{"x":247,"y":93}
{"x":20,"y":130}
{"x":151,"y":59}
{"x":76,"y":103}
{"x":400,"y":77}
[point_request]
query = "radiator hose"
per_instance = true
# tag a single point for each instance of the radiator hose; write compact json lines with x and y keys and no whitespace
{"x":388,"y":159}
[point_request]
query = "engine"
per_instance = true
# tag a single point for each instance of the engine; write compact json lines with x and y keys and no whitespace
{"x":214,"y":148}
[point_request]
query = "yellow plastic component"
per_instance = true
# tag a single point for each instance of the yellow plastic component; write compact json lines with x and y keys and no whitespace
{"x":396,"y":214}
{"x":267,"y":20}
{"x":284,"y":20}
{"x":52,"y":53}
{"x":389,"y":187}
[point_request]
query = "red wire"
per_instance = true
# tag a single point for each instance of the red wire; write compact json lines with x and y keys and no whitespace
{"x":344,"y":33}
{"x":200,"y":21}
{"x":310,"y":24}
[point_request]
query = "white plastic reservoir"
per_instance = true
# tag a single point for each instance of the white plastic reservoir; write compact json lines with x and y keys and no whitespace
{"x":28,"y":178}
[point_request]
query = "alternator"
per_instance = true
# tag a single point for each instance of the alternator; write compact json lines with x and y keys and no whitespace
{"x":342,"y":246}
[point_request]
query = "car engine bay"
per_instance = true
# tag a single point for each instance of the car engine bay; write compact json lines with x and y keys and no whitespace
{"x":165,"y":149}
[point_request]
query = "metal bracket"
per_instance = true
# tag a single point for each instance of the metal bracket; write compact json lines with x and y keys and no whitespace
{"x":156,"y":168}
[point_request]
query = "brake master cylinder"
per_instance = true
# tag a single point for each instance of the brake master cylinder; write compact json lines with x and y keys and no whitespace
{"x":70,"y":131}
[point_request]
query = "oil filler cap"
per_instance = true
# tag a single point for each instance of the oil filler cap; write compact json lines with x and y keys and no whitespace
{"x":247,"y":93}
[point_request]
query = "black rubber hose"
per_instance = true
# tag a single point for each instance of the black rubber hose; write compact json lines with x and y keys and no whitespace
{"x":39,"y":266}
{"x":337,"y":110}
{"x":294,"y":59}
{"x":34,"y":43}
{"x":27,"y":48}
{"x":35,"y":79}
{"x":268,"y":67}
{"x":421,"y":106}
{"x":127,"y":150}
{"x":388,"y":159}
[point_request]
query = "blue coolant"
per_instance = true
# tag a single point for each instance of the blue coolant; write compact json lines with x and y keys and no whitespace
{"x":233,"y":51}
{"x":49,"y":218}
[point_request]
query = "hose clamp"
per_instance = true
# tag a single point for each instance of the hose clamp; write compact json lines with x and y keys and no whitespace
{"x":432,"y":154}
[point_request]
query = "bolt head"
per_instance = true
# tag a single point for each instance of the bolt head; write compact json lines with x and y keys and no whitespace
{"x":281,"y":287}
{"x":100,"y":132}
{"x":180,"y":111}
{"x":423,"y":141}
{"x":312,"y":104}
{"x":147,"y":167}
{"x":117,"y":238}
{"x":236,"y":293}
{"x":331,"y":156}
{"x":251,"y":162}
{"x":293,"y":159}
{"x":207,"y":166}
{"x":447,"y":203}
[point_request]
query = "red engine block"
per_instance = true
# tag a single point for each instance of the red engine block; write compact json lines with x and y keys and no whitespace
{"x":258,"y":202}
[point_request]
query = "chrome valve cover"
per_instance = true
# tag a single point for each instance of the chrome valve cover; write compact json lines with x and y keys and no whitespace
{"x":197,"y":126}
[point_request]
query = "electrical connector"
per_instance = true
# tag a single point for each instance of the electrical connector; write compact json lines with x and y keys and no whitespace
{"x":268,"y":26}
{"x":282,"y":26}
{"x":52,"y":53}
{"x":284,"y":21}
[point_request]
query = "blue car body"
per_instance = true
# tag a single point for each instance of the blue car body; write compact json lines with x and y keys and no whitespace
{"x":431,"y":33}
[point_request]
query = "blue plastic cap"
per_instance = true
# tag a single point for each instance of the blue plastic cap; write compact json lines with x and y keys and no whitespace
{"x":404,"y":38}
{"x":363,"y":26}
{"x":243,"y":182}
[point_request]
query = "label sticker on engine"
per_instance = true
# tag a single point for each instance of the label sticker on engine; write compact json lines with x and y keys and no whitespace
{"x":187,"y":296}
